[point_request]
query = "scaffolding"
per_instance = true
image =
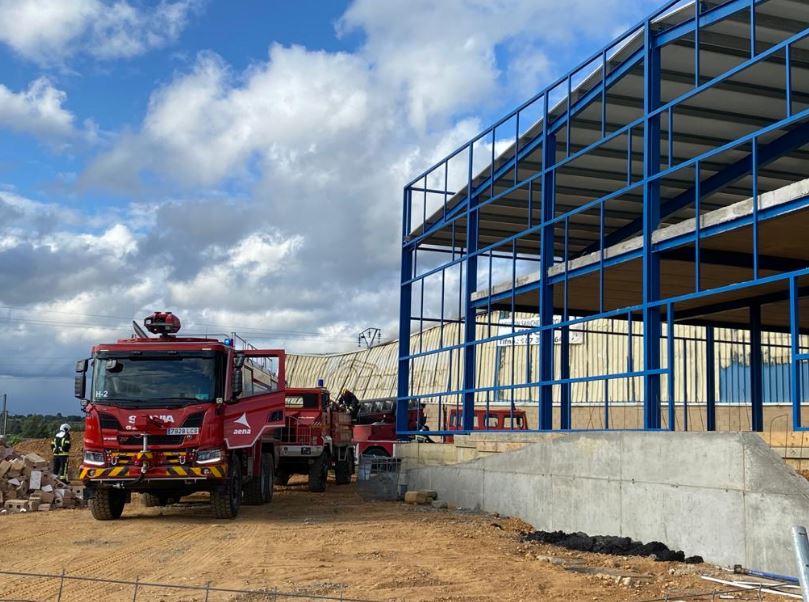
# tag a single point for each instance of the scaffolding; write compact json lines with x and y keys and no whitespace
{"x":659,"y":185}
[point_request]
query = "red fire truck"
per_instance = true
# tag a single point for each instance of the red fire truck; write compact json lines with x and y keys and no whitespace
{"x":492,"y":419}
{"x":167,"y":416}
{"x":316,"y":437}
{"x":375,"y":426}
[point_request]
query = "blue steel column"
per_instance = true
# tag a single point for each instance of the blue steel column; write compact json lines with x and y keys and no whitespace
{"x":756,"y":383}
{"x":794,"y":364}
{"x":470,"y":329}
{"x":651,"y":219}
{"x":566,"y":408}
{"x":405,"y":300}
{"x":710,"y":378}
{"x":545,"y":289}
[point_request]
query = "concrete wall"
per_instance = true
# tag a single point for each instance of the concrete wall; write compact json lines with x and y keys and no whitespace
{"x":724,"y":496}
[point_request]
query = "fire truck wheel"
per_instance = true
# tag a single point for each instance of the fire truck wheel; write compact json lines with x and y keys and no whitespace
{"x":227,"y":499}
{"x":343,"y":469}
{"x":107,"y":504}
{"x":259,"y":490}
{"x":319,"y":472}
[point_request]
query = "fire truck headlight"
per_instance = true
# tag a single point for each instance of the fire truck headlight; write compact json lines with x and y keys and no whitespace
{"x":209,"y":456}
{"x":94,"y":458}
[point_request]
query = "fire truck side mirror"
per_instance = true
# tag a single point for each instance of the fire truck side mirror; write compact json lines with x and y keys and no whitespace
{"x":237,"y":382}
{"x":80,"y":382}
{"x":237,"y":378}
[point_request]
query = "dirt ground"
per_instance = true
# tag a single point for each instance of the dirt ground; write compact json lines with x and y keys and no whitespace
{"x":332,"y":543}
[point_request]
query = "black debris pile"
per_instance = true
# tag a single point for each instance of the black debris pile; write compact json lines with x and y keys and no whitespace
{"x":608,"y":544}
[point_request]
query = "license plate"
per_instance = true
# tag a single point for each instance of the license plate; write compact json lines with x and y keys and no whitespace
{"x":183,"y":431}
{"x":306,"y":451}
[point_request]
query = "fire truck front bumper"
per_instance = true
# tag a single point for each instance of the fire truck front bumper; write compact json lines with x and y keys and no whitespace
{"x":151,"y":473}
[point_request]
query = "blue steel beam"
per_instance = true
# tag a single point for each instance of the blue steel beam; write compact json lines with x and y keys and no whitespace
{"x":791,"y":141}
{"x":756,"y":375}
{"x":794,"y":364}
{"x":659,"y":39}
{"x":470,"y":326}
{"x":524,"y":151}
{"x":546,"y":290}
{"x":651,"y":221}
{"x":405,"y":301}
{"x":710,"y":378}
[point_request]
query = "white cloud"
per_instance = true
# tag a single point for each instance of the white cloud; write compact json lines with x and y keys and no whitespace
{"x":318,"y":146}
{"x":38,"y":110}
{"x":207,"y":125}
{"x":50,"y":31}
{"x":244,"y":267}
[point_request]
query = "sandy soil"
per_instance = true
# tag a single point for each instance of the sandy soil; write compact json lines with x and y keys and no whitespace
{"x":329,"y":544}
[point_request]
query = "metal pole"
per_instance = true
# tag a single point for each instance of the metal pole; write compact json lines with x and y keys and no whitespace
{"x":801,"y":545}
{"x":5,"y":415}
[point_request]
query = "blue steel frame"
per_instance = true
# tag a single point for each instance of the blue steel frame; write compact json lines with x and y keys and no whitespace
{"x":556,"y":109}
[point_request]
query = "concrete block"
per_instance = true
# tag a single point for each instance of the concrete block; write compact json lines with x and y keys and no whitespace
{"x":46,"y":497}
{"x":765,"y":472}
{"x":416,"y":497}
{"x":35,"y":461}
{"x":703,"y":459}
{"x":768,"y":522}
{"x":696,"y":520}
{"x":523,"y":496}
{"x":534,"y":459}
{"x":586,"y":504}
{"x":587,"y":455}
{"x":36,"y":479}
{"x":15,"y":505}
{"x":44,"y":508}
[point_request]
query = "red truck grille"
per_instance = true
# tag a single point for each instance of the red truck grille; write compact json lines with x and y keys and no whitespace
{"x":153,"y":440}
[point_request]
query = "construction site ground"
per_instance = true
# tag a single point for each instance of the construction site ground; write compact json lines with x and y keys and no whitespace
{"x":331,"y":543}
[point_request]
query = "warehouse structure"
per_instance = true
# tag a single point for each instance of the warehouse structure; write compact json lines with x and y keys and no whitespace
{"x":657,"y":191}
{"x":371,"y":374}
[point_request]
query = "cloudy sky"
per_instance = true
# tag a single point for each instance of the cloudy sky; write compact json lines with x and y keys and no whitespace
{"x":239,"y":163}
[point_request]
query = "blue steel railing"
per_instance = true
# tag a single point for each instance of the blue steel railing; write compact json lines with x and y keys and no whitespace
{"x":557,"y":112}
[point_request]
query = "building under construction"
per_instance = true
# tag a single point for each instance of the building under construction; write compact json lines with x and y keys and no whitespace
{"x":651,"y":206}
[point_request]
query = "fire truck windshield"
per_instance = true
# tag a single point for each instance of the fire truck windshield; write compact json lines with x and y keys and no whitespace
{"x":133,"y":380}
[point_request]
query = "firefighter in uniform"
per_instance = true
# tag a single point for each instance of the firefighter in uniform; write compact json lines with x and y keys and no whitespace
{"x":61,"y":450}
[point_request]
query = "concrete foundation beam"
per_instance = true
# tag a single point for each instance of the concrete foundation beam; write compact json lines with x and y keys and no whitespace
{"x":724,"y":496}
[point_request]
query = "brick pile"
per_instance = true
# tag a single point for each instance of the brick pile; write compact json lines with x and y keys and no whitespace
{"x":27,"y":484}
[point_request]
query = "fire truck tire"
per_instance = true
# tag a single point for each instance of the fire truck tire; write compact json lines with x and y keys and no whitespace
{"x":227,"y":499}
{"x":259,"y":490}
{"x":107,"y":504}
{"x":343,"y":469}
{"x":319,"y":473}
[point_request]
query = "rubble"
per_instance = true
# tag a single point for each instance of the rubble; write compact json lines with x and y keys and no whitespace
{"x":27,"y":485}
{"x":604,"y":544}
{"x":420,"y":496}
